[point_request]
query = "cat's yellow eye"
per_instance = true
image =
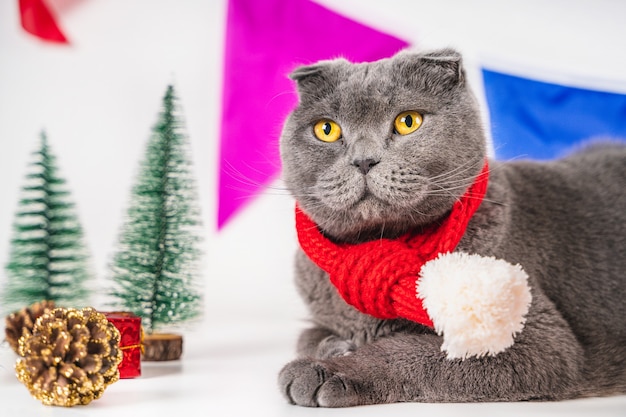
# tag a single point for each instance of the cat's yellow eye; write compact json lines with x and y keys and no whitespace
{"x":327,"y":130}
{"x":407,"y":122}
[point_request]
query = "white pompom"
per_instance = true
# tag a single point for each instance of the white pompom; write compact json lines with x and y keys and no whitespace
{"x":478,"y":303}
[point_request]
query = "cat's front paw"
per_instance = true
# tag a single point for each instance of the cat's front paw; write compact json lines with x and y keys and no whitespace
{"x":312,"y":384}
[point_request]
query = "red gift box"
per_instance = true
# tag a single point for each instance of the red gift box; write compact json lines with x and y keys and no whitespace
{"x":129,"y":326}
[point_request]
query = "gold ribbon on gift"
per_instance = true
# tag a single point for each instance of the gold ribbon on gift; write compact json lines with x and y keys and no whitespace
{"x":138,"y":345}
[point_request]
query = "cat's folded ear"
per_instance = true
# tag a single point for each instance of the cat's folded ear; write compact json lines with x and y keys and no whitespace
{"x":437,"y":70}
{"x":315,"y":78}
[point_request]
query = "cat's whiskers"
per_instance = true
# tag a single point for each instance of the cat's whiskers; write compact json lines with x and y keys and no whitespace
{"x":446,"y":189}
{"x":451,"y":183}
{"x":250,"y":186}
{"x":413,"y":211}
{"x":461,"y":169}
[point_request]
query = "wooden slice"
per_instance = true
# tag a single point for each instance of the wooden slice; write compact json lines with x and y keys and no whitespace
{"x":162,"y":347}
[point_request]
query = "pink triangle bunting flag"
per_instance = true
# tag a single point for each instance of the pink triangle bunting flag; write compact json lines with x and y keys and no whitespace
{"x":265,"y":40}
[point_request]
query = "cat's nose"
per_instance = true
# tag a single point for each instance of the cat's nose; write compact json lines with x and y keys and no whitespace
{"x":365,"y":165}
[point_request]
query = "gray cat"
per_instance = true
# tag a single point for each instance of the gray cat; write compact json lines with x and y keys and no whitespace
{"x":360,"y":177}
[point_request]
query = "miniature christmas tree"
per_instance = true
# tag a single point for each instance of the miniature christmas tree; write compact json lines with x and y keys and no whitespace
{"x":155,"y":266}
{"x":48,"y":259}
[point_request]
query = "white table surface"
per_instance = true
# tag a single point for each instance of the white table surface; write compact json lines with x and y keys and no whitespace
{"x":229,"y":368}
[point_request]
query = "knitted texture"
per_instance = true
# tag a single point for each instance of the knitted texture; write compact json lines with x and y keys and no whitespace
{"x":379,"y":277}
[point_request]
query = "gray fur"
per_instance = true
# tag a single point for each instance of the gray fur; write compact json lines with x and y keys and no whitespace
{"x":563,"y":221}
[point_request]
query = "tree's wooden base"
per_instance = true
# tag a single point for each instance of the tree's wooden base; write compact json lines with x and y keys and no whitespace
{"x":162,"y":347}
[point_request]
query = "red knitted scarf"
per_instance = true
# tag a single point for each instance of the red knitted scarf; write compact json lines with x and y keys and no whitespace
{"x":379,"y":277}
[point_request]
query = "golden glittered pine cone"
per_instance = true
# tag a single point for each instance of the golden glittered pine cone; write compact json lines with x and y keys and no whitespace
{"x":70,"y":358}
{"x":21,"y":322}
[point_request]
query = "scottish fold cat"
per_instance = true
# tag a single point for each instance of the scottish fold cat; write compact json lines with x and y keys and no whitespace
{"x":376,"y":150}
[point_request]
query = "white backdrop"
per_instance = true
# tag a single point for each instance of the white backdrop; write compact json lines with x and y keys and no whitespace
{"x":98,"y":98}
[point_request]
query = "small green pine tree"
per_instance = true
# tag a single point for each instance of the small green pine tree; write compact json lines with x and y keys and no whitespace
{"x":48,"y":259}
{"x":155,"y":266}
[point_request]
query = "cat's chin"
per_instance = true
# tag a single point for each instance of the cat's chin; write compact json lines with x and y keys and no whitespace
{"x":370,"y":210}
{"x":368,"y":219}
